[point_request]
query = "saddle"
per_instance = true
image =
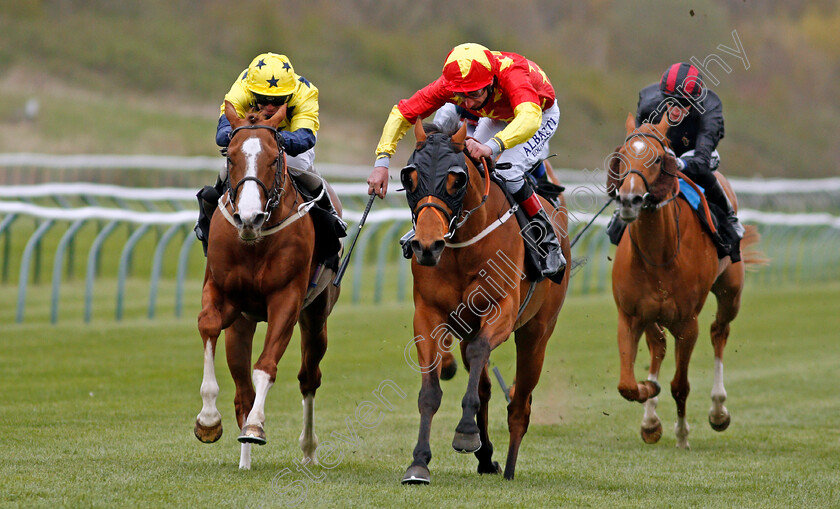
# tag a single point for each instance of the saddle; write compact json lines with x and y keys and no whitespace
{"x":548,"y":190}
{"x":711,"y":217}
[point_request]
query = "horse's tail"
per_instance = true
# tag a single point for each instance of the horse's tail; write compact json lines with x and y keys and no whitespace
{"x":750,"y":254}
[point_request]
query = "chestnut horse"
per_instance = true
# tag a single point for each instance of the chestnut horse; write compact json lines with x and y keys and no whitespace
{"x":259,"y":266}
{"x":469,"y":283}
{"x":665,"y":265}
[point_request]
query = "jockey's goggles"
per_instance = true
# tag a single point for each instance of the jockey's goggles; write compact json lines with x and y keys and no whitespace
{"x":274,"y":100}
{"x":475,"y":94}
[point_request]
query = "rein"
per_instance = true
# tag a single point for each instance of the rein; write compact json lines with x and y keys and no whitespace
{"x":485,"y":162}
{"x":490,"y":227}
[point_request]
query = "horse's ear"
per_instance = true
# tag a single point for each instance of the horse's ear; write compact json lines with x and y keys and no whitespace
{"x":278,"y":117}
{"x":630,"y":123}
{"x":459,"y":137}
{"x":663,"y":125}
{"x":419,"y":132}
{"x":231,"y":115}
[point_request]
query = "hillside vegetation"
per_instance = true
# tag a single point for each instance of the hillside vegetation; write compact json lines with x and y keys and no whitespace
{"x":147,"y":77}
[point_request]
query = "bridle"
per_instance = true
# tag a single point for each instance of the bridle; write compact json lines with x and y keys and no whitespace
{"x":275,"y":194}
{"x":649,"y":204}
{"x":452,"y":221}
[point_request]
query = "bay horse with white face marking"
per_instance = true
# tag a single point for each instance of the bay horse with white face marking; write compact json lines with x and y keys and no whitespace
{"x":664,"y":268}
{"x":469,"y":282}
{"x":259,"y":266}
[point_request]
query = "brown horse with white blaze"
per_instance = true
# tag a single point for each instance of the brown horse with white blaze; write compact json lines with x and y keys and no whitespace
{"x":469,"y":283}
{"x":259,"y":266}
{"x":664,"y":268}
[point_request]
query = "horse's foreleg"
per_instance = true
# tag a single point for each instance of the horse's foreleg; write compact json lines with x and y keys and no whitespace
{"x":313,"y":346}
{"x":727,"y":290}
{"x":476,"y":355}
{"x":486,"y":465}
{"x":281,"y":320}
{"x":685,"y":337}
{"x":428,"y":401}
{"x":239,"y":339}
{"x":531,"y":341}
{"x":208,"y":423}
{"x":629,"y":333}
{"x":651,"y":424}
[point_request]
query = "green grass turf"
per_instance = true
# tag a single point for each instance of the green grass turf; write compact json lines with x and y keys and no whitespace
{"x":102,"y":416}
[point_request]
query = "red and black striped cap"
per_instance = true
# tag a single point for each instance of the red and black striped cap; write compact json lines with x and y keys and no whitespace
{"x":680,"y":80}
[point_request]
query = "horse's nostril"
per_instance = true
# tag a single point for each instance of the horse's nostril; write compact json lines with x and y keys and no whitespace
{"x":237,"y":220}
{"x":259,"y":219}
{"x":415,"y":245}
{"x":437,"y":246}
{"x":637,"y":200}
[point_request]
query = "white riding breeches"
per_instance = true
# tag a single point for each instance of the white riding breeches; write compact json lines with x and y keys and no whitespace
{"x":526,"y":155}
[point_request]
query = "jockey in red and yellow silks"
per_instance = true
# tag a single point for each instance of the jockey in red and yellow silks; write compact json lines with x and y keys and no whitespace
{"x":518,"y":115}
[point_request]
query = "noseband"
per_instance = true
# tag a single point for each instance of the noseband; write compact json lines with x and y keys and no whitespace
{"x":277,"y":190}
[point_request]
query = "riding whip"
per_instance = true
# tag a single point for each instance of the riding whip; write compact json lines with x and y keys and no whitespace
{"x":579,"y":235}
{"x":344,"y":263}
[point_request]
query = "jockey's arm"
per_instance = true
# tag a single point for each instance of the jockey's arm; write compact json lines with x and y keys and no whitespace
{"x":240,"y":98}
{"x":223,"y":131}
{"x":527,"y":119}
{"x":422,"y":104}
{"x":709,"y":134}
{"x":527,"y":112}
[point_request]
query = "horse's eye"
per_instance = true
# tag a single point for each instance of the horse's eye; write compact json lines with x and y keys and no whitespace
{"x":658,"y":160}
{"x":405,"y":177}
{"x":459,"y":181}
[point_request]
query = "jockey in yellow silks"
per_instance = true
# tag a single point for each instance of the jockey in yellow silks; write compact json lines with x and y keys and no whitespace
{"x":518,"y":115}
{"x":265,"y":86}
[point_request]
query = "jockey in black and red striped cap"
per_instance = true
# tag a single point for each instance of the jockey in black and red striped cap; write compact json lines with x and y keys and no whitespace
{"x":696,"y":118}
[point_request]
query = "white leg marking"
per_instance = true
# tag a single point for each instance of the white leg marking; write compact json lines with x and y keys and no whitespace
{"x":681,"y":430}
{"x":250,"y":200}
{"x":245,"y":457}
{"x":308,"y":440}
{"x":650,"y":419}
{"x":718,"y":412}
{"x":209,"y":415}
{"x":262,"y":384}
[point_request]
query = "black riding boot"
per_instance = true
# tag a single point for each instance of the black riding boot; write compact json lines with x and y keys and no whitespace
{"x":540,"y":233}
{"x":208,"y":201}
{"x":717,"y":195}
{"x":405,"y":244}
{"x":326,"y":204}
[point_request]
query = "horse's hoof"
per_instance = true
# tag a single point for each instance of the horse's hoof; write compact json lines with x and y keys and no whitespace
{"x":652,"y":435}
{"x":416,"y":474}
{"x":252,"y":434}
{"x":466,"y":443}
{"x":721,"y":426}
{"x":447,"y":372}
{"x":207,"y":434}
{"x":494,"y":468}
